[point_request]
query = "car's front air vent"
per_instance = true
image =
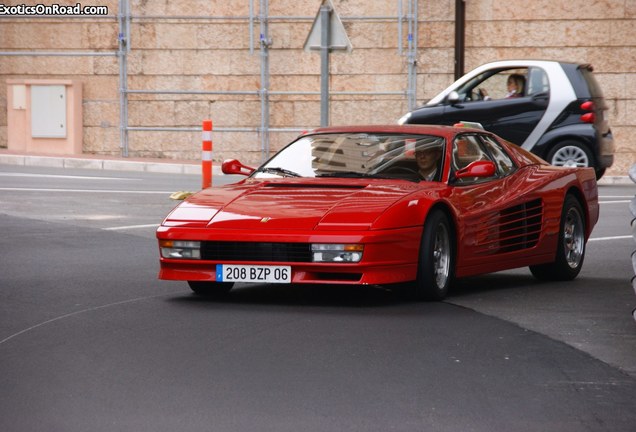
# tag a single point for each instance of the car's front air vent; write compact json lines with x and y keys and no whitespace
{"x":255,"y":251}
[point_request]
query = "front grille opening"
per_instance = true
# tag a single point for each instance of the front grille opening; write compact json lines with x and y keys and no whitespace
{"x":255,"y":251}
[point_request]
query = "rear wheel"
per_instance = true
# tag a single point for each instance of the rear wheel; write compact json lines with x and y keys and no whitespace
{"x":210,"y":289}
{"x":436,"y":265}
{"x":571,"y":246}
{"x":570,"y":154}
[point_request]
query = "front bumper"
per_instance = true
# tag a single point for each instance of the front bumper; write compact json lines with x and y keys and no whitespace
{"x":390,"y":256}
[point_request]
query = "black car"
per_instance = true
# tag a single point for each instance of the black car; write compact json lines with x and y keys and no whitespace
{"x":558,"y":113}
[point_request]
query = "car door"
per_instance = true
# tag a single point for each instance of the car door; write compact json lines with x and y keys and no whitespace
{"x":511,"y":118}
{"x":499,"y":219}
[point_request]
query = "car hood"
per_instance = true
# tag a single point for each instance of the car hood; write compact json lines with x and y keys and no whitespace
{"x":293,"y":204}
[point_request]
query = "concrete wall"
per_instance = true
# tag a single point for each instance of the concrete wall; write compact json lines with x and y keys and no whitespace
{"x":213,"y":55}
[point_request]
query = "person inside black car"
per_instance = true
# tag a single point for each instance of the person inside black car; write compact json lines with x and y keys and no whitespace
{"x":515,"y":84}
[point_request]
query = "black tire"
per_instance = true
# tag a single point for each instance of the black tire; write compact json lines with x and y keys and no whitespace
{"x":210,"y":289}
{"x":571,"y":154}
{"x":571,"y":245}
{"x":599,"y":173}
{"x":436,"y":266}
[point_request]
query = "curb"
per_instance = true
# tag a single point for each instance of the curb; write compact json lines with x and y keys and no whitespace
{"x":191,"y":168}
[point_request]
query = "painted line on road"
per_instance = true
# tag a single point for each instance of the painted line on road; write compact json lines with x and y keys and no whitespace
{"x":610,"y":238}
{"x":85,"y":191}
{"x":131,"y":227}
{"x":66,"y":176}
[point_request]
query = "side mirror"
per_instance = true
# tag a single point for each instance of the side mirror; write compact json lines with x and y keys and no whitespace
{"x":453,"y":97}
{"x":233,"y":166}
{"x":479,"y":169}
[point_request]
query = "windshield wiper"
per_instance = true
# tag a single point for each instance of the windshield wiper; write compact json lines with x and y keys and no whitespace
{"x":279,"y":170}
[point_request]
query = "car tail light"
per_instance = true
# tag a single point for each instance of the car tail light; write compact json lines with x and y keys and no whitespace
{"x":588,"y":117}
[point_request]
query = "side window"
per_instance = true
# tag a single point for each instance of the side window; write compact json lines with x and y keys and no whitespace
{"x":466,"y":150}
{"x":505,"y":165}
{"x":537,"y":81}
{"x":498,"y":84}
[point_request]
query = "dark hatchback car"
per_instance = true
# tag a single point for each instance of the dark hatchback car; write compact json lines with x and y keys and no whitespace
{"x":559,"y":113}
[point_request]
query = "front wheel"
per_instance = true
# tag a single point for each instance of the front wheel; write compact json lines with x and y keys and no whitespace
{"x":210,"y":289}
{"x":571,"y":246}
{"x":436,"y":265}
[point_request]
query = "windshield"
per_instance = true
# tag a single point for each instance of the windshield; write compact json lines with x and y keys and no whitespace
{"x":355,"y":155}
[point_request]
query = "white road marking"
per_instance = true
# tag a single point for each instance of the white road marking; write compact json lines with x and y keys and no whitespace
{"x":127,"y":227}
{"x":85,"y":191}
{"x":65,"y":176}
{"x":610,"y":238}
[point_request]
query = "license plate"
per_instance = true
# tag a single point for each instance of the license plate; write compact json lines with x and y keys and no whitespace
{"x":253,"y":273}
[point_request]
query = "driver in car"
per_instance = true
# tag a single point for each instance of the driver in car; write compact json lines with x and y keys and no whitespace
{"x":427,"y":159}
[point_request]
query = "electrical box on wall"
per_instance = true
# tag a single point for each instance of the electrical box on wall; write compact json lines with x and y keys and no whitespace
{"x":44,"y":116}
{"x":48,"y":111}
{"x":19,"y":97}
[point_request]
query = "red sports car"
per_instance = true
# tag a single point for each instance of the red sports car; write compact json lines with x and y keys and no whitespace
{"x":414,"y":206}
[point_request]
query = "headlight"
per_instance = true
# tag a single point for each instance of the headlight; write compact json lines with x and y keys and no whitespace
{"x":345,"y":253}
{"x":404,"y":118}
{"x":179,"y":249}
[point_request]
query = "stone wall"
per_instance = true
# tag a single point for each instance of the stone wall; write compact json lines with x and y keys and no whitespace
{"x":207,"y":49}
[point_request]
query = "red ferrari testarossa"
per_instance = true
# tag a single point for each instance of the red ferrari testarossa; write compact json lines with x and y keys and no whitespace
{"x":416,"y":206}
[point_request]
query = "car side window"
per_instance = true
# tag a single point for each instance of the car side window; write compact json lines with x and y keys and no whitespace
{"x":497,"y":84}
{"x":466,"y":150}
{"x":537,"y":81}
{"x":505,"y":165}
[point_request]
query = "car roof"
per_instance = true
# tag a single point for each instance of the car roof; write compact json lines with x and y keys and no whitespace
{"x":396,"y":129}
{"x":522,"y":63}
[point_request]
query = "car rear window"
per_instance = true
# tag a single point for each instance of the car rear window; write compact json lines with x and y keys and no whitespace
{"x":592,"y":84}
{"x":583,"y":81}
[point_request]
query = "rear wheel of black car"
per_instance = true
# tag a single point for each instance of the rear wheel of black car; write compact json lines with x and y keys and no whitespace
{"x":570,"y":154}
{"x":571,"y":246}
{"x":210,"y":289}
{"x":436,"y":265}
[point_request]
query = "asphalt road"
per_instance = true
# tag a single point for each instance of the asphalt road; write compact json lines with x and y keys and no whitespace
{"x":90,"y":340}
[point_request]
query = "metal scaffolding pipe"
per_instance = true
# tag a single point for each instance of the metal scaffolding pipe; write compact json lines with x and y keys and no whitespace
{"x":195,"y":92}
{"x":388,"y":18}
{"x":58,"y":54}
{"x":123,"y":39}
{"x":265,"y":43}
{"x":186,"y":129}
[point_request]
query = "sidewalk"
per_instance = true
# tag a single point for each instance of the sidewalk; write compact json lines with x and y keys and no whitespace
{"x":87,"y":161}
{"x":165,"y":166}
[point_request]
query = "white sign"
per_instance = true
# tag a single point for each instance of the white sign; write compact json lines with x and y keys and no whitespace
{"x":338,"y":39}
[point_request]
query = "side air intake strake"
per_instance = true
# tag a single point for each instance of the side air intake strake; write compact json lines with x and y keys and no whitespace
{"x":513,"y":229}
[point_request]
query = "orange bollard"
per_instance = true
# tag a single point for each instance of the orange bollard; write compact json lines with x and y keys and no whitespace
{"x":206,"y":155}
